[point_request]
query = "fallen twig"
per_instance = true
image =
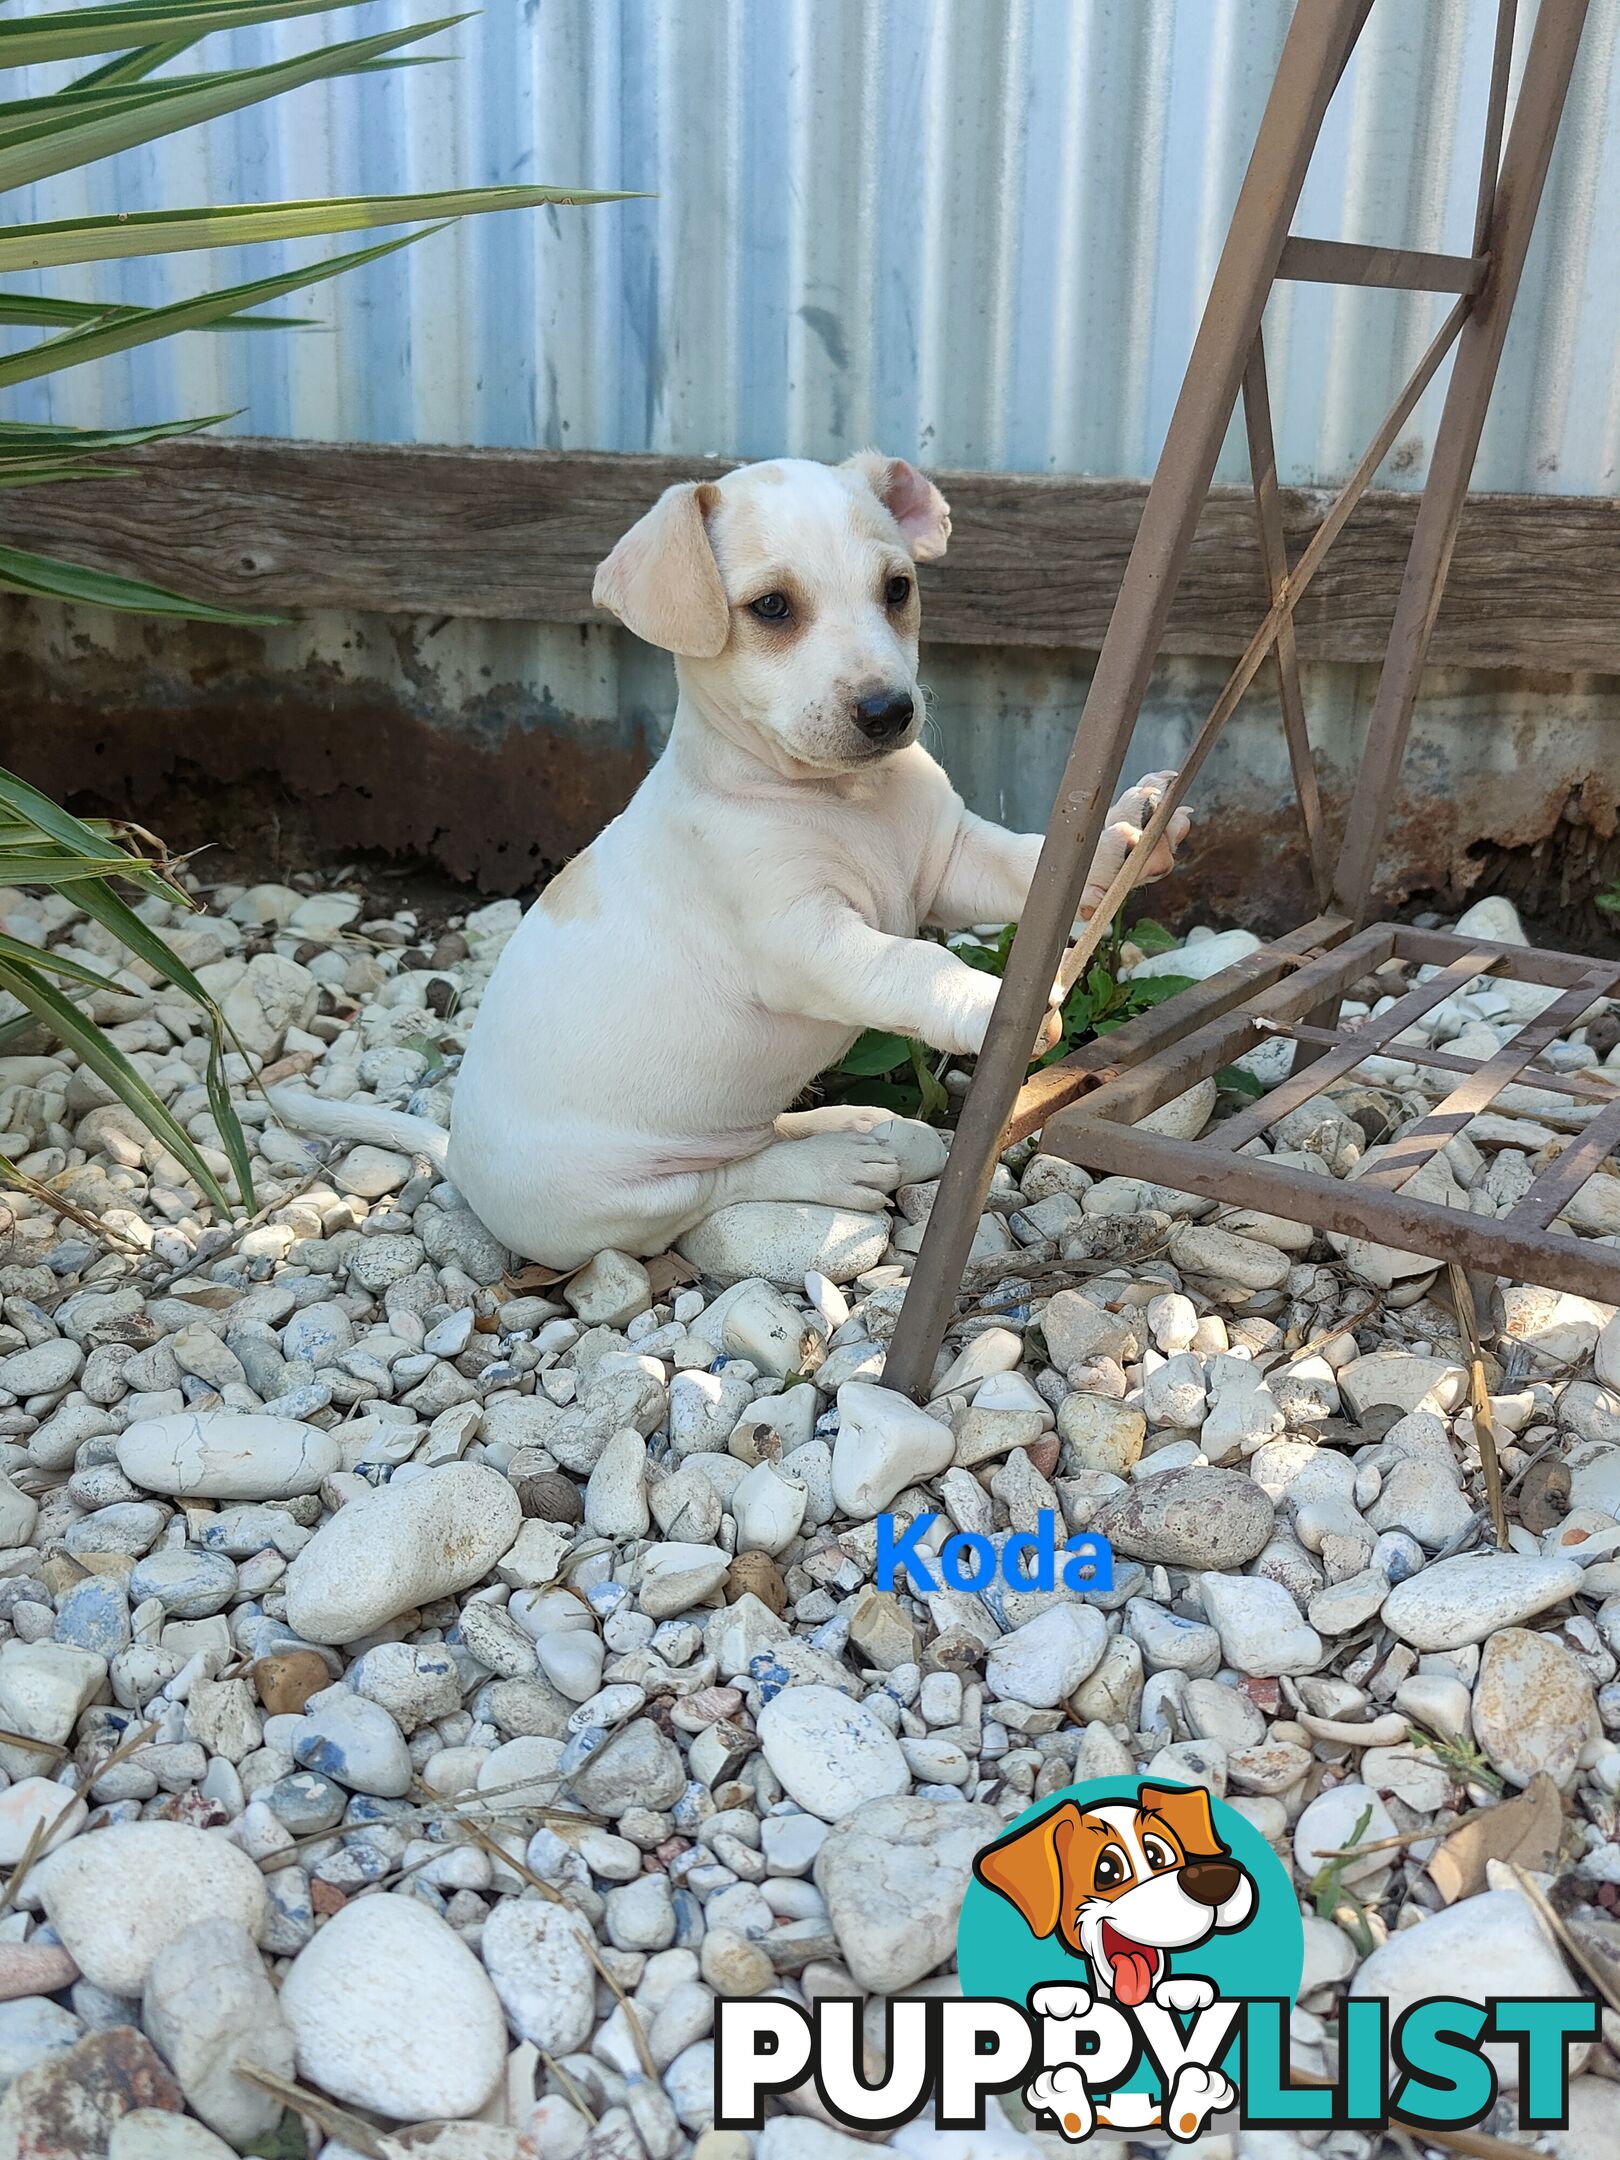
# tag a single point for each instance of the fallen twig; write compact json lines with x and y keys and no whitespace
{"x":42,"y":1833}
{"x":1558,"y":1929}
{"x":1479,"y":1402}
{"x":335,"y":2120}
{"x":587,"y":1943}
{"x":571,"y":2091}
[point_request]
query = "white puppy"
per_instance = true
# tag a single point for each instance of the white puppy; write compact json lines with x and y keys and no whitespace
{"x":757,"y":905}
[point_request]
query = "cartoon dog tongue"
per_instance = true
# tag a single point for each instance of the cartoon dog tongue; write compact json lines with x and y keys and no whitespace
{"x":1134,"y":1966}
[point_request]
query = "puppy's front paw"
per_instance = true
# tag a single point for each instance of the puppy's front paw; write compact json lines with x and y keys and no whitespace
{"x":1051,"y":1028}
{"x":965,"y":1021}
{"x":1062,"y":2093}
{"x":1123,"y":833}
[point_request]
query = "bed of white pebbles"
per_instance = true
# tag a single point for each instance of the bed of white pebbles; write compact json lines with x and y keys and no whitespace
{"x":436,"y":1691}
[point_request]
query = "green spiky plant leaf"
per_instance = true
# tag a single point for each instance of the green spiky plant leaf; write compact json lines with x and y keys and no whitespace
{"x":123,"y":101}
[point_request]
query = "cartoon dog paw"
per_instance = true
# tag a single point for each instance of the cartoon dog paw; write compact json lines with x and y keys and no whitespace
{"x":1195,"y":2095}
{"x":1062,"y":2093}
{"x":1060,"y":2002}
{"x":1188,"y":1991}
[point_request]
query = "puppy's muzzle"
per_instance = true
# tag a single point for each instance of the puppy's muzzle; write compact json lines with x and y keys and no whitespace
{"x":884,"y":715}
{"x":1210,"y":1882}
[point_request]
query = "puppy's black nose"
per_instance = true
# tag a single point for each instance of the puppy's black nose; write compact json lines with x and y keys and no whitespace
{"x":1210,"y":1882}
{"x":885,"y":714}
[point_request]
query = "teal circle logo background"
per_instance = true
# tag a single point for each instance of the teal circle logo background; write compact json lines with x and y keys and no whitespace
{"x":997,"y":1954}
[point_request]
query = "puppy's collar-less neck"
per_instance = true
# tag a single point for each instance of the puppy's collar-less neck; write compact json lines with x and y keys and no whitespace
{"x":723,"y":755}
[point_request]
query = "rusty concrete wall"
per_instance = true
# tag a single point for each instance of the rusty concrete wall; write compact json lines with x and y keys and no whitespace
{"x":491,"y":752}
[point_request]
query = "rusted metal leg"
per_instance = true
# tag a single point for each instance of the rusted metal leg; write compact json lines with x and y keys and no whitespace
{"x":1057,"y":1084}
{"x":1274,"y":560}
{"x":1517,"y":197}
{"x":1490,"y":156}
{"x":1319,"y":41}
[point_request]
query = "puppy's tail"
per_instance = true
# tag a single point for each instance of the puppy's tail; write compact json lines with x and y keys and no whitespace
{"x":306,"y":1112}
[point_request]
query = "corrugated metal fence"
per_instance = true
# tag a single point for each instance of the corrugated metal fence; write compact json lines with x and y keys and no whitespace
{"x":975,"y":231}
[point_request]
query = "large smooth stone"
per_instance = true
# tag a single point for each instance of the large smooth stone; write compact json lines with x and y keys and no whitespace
{"x":1488,"y":1945}
{"x":537,"y":1958}
{"x":893,"y":1875}
{"x":1044,"y":1661}
{"x":1191,"y":1518}
{"x":1464,"y":1599}
{"x":208,"y":2003}
{"x":218,"y":1455}
{"x":785,"y":1240}
{"x":1383,"y":1266}
{"x":1607,"y":1352}
{"x":885,"y":1443}
{"x":44,"y":1687}
{"x":831,"y":1752}
{"x":1403,"y":1379}
{"x":1261,"y":1630}
{"x":119,"y":1896}
{"x":36,"y":1805}
{"x":390,"y":2010}
{"x":1533,"y":1707}
{"x":1563,"y":1327}
{"x":422,"y":1538}
{"x":1199,"y":960}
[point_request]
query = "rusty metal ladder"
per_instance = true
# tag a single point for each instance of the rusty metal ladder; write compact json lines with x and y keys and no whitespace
{"x":1086,"y":1105}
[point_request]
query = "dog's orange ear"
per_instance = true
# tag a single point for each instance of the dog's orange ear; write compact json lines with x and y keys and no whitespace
{"x":662,"y":580}
{"x":1027,"y":1867}
{"x":1187,"y":1811}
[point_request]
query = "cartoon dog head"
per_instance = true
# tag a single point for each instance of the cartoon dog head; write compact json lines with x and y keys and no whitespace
{"x":1122,"y":1884}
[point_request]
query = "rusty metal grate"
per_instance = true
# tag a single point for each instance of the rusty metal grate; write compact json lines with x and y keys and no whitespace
{"x":1099,"y":1131}
{"x":1088,"y":1102}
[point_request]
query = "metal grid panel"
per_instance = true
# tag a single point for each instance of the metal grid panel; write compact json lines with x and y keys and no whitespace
{"x":1100,"y":1131}
{"x":1228,"y":360}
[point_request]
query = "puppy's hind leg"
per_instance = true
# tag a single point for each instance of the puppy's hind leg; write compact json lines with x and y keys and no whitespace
{"x":648,"y":1206}
{"x":852,"y":1117}
{"x":830,"y":1169}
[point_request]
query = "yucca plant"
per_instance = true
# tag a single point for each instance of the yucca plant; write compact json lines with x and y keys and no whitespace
{"x":123,"y":101}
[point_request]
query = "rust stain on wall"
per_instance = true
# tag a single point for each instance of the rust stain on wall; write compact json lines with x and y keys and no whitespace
{"x":495,"y":753}
{"x":320,"y":767}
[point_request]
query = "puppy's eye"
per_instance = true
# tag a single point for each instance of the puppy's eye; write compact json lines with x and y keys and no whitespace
{"x":897,"y":592}
{"x":1111,"y":1869}
{"x":770,"y":607}
{"x":1158,"y":1855}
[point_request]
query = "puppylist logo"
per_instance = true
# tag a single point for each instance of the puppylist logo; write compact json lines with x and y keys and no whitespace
{"x":1130,"y":1952}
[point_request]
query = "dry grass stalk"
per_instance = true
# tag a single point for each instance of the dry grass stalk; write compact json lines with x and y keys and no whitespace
{"x":336,"y":2121}
{"x":1479,"y":1402}
{"x":631,"y":2016}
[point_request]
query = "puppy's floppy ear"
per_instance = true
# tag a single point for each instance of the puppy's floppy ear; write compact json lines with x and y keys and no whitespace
{"x":1027,"y":1868}
{"x":662,"y":580}
{"x":911,"y":499}
{"x":1187,"y":1811}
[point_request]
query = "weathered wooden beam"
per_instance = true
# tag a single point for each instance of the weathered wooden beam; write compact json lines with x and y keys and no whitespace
{"x":1034,"y":560}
